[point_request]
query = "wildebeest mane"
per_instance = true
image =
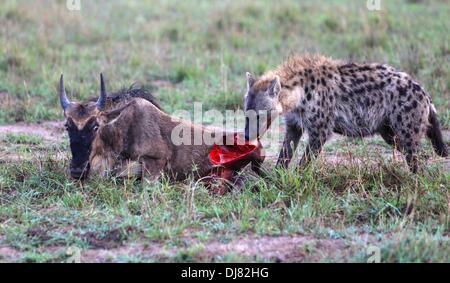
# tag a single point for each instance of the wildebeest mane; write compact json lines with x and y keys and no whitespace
{"x":127,"y":93}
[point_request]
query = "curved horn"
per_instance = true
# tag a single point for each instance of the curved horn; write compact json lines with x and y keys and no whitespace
{"x":62,"y":94}
{"x":102,"y":99}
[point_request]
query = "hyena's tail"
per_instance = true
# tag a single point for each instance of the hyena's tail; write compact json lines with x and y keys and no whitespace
{"x":435,"y":135}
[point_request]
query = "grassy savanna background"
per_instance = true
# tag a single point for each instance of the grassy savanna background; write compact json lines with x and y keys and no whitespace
{"x":357,"y":196}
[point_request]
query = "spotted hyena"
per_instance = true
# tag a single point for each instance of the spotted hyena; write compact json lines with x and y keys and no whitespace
{"x":322,"y":96}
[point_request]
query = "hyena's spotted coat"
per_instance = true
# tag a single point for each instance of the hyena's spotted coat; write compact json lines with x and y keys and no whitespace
{"x":322,"y":96}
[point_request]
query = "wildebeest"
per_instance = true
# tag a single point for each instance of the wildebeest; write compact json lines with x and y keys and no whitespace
{"x":82,"y":123}
{"x":133,"y":136}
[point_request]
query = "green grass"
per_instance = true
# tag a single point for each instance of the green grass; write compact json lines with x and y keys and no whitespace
{"x":22,"y":138}
{"x":187,"y":53}
{"x":204,"y":51}
{"x":40,"y":209}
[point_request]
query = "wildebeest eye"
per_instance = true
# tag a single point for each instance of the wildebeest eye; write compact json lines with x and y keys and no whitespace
{"x":94,"y":126}
{"x":69,"y":124}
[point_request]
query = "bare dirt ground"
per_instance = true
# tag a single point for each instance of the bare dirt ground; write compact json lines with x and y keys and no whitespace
{"x":295,"y":248}
{"x":50,"y":131}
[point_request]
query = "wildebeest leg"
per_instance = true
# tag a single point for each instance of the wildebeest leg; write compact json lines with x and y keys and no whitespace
{"x":256,"y":167}
{"x":152,"y":168}
{"x":293,"y":135}
{"x":257,"y":161}
{"x":128,"y":168}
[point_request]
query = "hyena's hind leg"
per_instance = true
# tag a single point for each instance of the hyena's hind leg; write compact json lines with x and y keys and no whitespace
{"x":435,"y":135}
{"x":409,"y":129}
{"x":387,"y":133}
{"x":291,"y":139}
{"x":401,"y":140}
{"x":407,"y":142}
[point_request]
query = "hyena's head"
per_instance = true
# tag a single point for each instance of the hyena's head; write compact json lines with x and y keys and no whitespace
{"x":261,"y":104}
{"x":82,"y":123}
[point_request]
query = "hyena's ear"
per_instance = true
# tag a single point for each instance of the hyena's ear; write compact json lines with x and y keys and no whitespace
{"x":274,"y":87}
{"x":250,"y":80}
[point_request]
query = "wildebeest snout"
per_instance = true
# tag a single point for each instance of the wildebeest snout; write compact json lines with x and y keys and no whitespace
{"x":79,"y":172}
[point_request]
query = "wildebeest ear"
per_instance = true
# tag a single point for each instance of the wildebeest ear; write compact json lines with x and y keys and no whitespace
{"x":274,"y":86}
{"x":250,"y":80}
{"x":112,"y":114}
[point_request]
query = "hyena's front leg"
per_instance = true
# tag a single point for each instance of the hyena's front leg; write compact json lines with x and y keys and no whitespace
{"x":317,"y":139}
{"x":293,"y":135}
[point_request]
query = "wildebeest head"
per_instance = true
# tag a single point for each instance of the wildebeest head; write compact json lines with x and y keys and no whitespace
{"x":81,"y":124}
